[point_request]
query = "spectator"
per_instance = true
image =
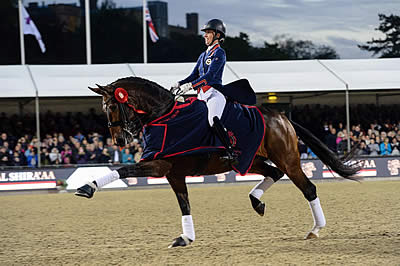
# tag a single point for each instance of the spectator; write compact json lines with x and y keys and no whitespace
{"x":138,"y":154}
{"x":385,"y":147}
{"x":373,"y":148}
{"x":44,"y":156}
{"x":55,"y":156}
{"x":66,"y":153}
{"x":93,"y":155}
{"x":81,"y":156}
{"x":105,"y":157}
{"x":17,"y":159}
{"x":330,"y":139}
{"x":115,"y":155}
{"x":4,"y":157}
{"x":127,"y":157}
{"x":362,"y":149}
{"x":32,"y":158}
{"x":302,"y":150}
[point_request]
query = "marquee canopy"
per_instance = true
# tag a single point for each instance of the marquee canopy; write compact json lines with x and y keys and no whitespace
{"x":18,"y":81}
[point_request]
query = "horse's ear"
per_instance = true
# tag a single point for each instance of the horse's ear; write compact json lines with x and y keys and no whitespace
{"x":99,"y":90}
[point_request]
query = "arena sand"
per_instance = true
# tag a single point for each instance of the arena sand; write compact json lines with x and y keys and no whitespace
{"x":135,"y":227}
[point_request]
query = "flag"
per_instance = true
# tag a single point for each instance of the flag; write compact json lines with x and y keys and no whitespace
{"x":30,"y":28}
{"x":152,"y":30}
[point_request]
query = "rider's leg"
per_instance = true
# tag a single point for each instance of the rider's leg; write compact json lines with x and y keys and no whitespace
{"x":215,"y":104}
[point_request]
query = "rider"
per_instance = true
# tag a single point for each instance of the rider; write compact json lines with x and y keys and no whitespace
{"x":206,"y":78}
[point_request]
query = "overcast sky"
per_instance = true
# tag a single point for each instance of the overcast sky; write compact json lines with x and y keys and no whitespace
{"x":341,"y":24}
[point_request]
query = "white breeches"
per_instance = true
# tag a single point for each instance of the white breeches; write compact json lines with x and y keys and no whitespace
{"x":215,"y":103}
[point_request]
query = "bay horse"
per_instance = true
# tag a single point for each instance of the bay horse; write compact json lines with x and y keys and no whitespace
{"x":131,"y":103}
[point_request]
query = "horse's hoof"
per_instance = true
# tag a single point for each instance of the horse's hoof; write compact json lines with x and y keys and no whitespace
{"x":86,"y":191}
{"x":258,"y":205}
{"x":181,"y":241}
{"x":311,"y":235}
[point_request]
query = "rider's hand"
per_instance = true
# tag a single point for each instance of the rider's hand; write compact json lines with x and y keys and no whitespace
{"x":174,"y":88}
{"x":186,"y":87}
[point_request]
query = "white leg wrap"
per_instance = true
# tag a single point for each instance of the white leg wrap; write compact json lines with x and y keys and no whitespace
{"x":318,"y":215}
{"x":108,"y":178}
{"x":187,"y":227}
{"x":261,"y":187}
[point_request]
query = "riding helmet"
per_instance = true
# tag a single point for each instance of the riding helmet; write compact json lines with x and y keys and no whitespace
{"x":218,"y":26}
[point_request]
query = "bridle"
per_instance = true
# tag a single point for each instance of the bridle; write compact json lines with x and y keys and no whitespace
{"x":129,"y":128}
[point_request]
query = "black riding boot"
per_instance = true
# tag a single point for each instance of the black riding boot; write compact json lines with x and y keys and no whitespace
{"x":222,"y":134}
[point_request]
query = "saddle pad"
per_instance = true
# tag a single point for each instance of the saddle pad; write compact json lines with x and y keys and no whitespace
{"x":185,"y":130}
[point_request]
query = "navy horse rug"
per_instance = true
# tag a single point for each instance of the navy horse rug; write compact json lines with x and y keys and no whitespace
{"x":185,"y":130}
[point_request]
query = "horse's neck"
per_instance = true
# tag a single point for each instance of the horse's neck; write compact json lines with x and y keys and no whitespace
{"x":161,"y":108}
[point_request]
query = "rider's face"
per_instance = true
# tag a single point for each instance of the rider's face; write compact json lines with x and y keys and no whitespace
{"x":208,"y":36}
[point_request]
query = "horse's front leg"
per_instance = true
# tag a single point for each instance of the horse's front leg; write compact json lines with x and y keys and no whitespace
{"x":157,"y":168}
{"x":178,"y":184}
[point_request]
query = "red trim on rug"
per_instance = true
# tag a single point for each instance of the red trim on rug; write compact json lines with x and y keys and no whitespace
{"x":157,"y":119}
{"x":165,"y":136}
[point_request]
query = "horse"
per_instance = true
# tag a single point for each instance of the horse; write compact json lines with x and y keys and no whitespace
{"x":131,"y":103}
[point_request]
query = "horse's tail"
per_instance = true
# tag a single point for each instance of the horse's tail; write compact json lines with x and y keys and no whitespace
{"x":327,"y":156}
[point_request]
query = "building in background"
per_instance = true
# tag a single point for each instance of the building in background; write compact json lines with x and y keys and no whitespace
{"x":67,"y":15}
{"x":192,"y":22}
{"x":159,"y":16}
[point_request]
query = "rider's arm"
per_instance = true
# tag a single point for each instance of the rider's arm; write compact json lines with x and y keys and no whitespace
{"x":194,"y":75}
{"x":217,"y":62}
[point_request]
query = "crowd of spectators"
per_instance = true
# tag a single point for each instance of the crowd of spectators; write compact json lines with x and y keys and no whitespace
{"x":76,"y":138}
{"x":374,"y":130}
{"x":68,"y":139}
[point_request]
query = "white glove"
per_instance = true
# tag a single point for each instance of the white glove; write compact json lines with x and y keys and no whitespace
{"x":185,"y":88}
{"x":174,"y":88}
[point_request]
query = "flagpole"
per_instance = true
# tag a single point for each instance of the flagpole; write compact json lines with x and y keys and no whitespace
{"x":144,"y":33}
{"x":21,"y":32}
{"x":88,"y":41}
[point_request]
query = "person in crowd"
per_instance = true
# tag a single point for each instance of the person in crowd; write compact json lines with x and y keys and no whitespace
{"x":385,"y":147}
{"x":44,"y":156}
{"x":373,"y":147}
{"x":116,"y":156}
{"x":138,"y":154}
{"x":362,"y":149}
{"x":55,"y":156}
{"x":66,"y":152}
{"x":32,"y":158}
{"x":127,"y":156}
{"x":105,"y":157}
{"x":302,"y":149}
{"x":5,"y":159}
{"x":93,"y":154}
{"x":330,"y":139}
{"x":81,"y":156}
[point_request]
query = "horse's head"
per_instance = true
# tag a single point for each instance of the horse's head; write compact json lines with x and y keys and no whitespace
{"x":130,"y":103}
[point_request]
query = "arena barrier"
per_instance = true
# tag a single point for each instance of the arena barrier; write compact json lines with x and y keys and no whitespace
{"x":72,"y":177}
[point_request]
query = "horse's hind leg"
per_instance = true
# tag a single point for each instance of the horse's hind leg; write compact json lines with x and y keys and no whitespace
{"x":271,"y":175}
{"x":293,"y":170}
{"x":282,"y":150}
{"x":178,"y":184}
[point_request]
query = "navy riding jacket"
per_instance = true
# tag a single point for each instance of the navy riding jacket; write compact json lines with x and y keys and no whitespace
{"x":208,"y":70}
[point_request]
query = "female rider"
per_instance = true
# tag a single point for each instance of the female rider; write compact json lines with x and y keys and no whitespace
{"x":206,"y":79}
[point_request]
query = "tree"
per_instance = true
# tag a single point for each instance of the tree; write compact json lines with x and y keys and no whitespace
{"x":304,"y":49}
{"x":390,"y":45}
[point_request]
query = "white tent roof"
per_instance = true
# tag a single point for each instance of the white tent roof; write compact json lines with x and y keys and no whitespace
{"x":264,"y":76}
